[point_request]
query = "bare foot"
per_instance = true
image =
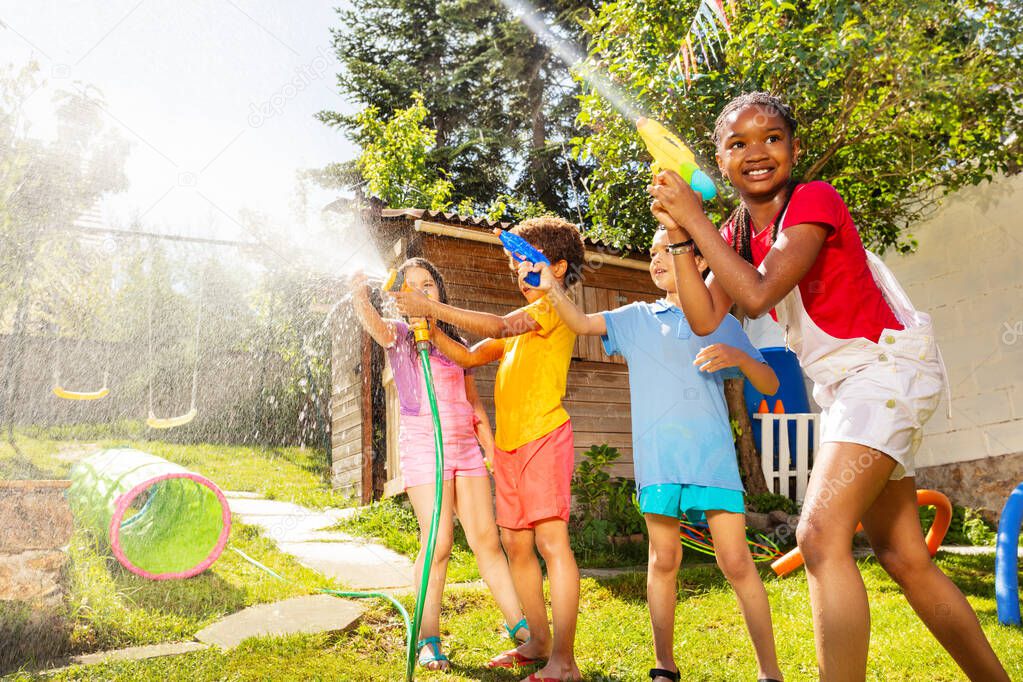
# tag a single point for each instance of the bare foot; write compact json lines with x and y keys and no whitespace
{"x":526,"y":653}
{"x":564,"y":671}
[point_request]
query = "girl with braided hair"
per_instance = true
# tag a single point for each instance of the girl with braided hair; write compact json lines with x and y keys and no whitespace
{"x":793,"y":250}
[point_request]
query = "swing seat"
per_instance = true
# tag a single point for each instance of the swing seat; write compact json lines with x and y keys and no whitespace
{"x":62,"y":392}
{"x":155,"y":422}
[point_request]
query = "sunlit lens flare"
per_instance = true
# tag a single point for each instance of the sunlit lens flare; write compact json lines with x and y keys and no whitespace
{"x":577,"y":62}
{"x":573,"y":58}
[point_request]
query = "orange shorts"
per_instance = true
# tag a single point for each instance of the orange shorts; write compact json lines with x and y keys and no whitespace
{"x":533,"y":482}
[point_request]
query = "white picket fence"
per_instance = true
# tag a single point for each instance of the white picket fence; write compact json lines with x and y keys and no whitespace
{"x":780,"y":477}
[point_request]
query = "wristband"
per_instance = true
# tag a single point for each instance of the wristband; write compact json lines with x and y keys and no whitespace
{"x":681,"y":247}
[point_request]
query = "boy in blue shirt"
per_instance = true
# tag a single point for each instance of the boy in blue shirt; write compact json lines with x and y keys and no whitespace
{"x":683,"y":450}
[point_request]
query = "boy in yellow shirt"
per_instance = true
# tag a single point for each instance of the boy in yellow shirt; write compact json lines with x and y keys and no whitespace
{"x":534,"y":456}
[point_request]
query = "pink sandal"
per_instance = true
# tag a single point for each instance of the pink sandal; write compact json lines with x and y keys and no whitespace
{"x":517,"y":660}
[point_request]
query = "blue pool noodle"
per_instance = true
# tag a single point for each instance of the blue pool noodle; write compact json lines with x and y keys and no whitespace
{"x":1007,"y":561}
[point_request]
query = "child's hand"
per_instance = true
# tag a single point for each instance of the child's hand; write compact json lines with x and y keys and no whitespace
{"x":676,"y":196}
{"x":359,"y":282}
{"x":412,"y":303}
{"x":547,"y":279}
{"x":718,"y":356}
{"x":675,"y":231}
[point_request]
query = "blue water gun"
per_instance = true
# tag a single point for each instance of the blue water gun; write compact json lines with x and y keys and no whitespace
{"x":523,"y":251}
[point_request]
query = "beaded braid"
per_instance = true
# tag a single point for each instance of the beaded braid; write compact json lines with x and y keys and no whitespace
{"x":742,"y":225}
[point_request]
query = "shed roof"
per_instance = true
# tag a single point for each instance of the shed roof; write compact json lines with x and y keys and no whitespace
{"x":480,"y":223}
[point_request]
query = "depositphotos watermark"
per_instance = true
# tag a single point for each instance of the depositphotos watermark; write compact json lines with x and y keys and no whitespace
{"x":305,"y":75}
{"x":846,"y":476}
{"x":1012,"y":333}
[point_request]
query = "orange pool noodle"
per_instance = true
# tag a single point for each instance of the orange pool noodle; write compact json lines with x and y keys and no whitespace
{"x":935,"y":534}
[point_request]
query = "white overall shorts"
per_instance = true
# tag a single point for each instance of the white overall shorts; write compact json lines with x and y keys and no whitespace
{"x":874,"y":394}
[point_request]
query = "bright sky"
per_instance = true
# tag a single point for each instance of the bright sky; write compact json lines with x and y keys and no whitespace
{"x":216,"y":96}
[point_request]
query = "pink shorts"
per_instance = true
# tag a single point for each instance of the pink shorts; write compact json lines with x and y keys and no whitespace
{"x":533,"y":482}
{"x":462,"y":454}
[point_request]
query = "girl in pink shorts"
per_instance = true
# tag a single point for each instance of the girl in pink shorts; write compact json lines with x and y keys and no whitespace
{"x":465,"y":428}
{"x":792,"y":250}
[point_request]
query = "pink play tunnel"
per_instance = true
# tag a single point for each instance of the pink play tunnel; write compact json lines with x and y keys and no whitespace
{"x":160,"y":520}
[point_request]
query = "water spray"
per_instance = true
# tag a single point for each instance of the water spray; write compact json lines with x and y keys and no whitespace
{"x":395,"y":281}
{"x":668,"y":150}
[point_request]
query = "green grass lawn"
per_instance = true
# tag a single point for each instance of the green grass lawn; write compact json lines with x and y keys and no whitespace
{"x":289,"y":474}
{"x":109,"y":607}
{"x":393,"y":524}
{"x":613,"y":640}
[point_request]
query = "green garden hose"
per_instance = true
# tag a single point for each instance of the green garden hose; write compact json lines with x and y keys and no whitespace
{"x":411,"y":625}
{"x":412,"y":629}
{"x":438,"y":496}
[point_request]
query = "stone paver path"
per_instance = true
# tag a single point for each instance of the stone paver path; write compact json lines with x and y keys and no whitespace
{"x":309,"y":614}
{"x":358,"y":563}
{"x":135,"y":653}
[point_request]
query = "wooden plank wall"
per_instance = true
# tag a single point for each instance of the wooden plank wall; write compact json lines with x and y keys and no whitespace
{"x":346,"y":406}
{"x":478,"y":277}
{"x":393,"y":482}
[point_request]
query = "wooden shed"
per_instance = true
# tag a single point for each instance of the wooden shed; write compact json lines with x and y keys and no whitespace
{"x":364,"y":403}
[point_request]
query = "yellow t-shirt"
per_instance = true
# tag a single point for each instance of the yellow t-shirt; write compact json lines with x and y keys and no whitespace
{"x":531,"y":379}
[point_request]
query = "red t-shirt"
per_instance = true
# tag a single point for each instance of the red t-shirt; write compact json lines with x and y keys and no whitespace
{"x":838,"y":292}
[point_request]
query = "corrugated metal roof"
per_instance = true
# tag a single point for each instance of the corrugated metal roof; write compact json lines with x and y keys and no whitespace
{"x":483,"y":224}
{"x":442,"y":217}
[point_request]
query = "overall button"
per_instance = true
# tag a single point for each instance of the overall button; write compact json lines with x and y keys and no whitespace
{"x":883,"y":358}
{"x":889,"y":339}
{"x":891,"y":402}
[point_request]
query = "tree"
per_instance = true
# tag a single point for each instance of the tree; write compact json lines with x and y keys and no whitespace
{"x":44,"y":187}
{"x":899,"y":101}
{"x":502,"y":105}
{"x":394,"y":163}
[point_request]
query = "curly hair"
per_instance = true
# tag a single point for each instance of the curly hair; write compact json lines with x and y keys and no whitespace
{"x":741,"y":220}
{"x":558,"y":239}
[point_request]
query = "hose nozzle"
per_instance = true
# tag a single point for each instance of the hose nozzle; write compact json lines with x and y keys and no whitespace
{"x":421,"y":332}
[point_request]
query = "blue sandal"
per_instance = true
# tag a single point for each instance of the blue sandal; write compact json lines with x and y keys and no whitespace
{"x":512,"y":631}
{"x":435,"y":657}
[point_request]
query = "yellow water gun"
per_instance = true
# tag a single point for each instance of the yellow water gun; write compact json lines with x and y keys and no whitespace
{"x":670,"y":153}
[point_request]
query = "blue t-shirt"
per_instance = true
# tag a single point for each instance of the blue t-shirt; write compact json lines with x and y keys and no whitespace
{"x":681,"y":432}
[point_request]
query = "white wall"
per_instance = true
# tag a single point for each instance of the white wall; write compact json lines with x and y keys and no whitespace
{"x":968,"y":273}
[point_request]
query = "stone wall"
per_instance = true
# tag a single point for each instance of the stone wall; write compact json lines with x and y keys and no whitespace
{"x":984,"y":484}
{"x":35,"y":528}
{"x":968,"y":274}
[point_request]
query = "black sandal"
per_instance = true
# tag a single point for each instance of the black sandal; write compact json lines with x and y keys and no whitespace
{"x":661,"y":672}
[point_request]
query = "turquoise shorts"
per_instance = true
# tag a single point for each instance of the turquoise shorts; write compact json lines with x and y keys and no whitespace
{"x":676,"y":499}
